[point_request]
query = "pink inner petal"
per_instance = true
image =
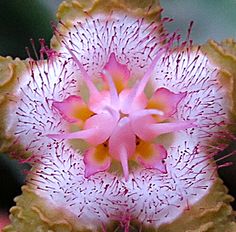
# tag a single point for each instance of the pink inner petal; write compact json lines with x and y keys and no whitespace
{"x":162,"y":128}
{"x":118,"y":71}
{"x":82,"y":134}
{"x":154,"y":160}
{"x":124,"y":162}
{"x":96,"y":160}
{"x":166,"y":101}
{"x":139,"y":87}
{"x":140,"y":124}
{"x":143,"y":82}
{"x":122,"y":136}
{"x":146,"y":112}
{"x":96,"y":129}
{"x":68,"y":107}
{"x":92,"y":88}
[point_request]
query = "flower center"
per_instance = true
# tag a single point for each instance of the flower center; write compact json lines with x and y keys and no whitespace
{"x":120,"y":122}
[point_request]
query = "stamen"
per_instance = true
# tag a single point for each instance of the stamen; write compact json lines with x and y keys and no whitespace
{"x":113,"y":90}
{"x":92,"y":88}
{"x":147,"y":112}
{"x":82,"y":134}
{"x":140,"y":86}
{"x":143,"y":82}
{"x":147,"y":75}
{"x":162,"y":128}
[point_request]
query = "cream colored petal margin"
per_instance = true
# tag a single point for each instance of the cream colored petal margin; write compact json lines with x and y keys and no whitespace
{"x":211,"y":214}
{"x":72,"y":9}
{"x":223,"y":55}
{"x":10,"y":72}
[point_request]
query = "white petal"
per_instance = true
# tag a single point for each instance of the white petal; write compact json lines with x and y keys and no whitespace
{"x":134,"y":41}
{"x":147,"y":196}
{"x":32,"y":117}
{"x":192,"y":72}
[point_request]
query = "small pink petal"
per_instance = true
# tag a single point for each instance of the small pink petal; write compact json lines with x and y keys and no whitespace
{"x":73,"y":109}
{"x":122,"y":143}
{"x":166,"y":101}
{"x":152,"y":156}
{"x":96,"y":160}
{"x":119,"y":72}
{"x":140,"y":85}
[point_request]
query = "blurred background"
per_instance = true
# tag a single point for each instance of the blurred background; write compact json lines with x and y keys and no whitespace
{"x":21,"y":20}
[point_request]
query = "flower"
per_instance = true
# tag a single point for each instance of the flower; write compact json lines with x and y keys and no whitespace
{"x":116,"y":123}
{"x":128,"y":113}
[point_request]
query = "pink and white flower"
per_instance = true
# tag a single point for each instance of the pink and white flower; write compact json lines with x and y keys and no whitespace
{"x":117,"y":120}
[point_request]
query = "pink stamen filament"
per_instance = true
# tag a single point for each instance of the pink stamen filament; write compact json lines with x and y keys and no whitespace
{"x":92,"y":88}
{"x":146,"y":112}
{"x":130,"y":98}
{"x":143,"y":82}
{"x":140,"y":86}
{"x":82,"y":134}
{"x":113,"y":90}
{"x":162,"y":128}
